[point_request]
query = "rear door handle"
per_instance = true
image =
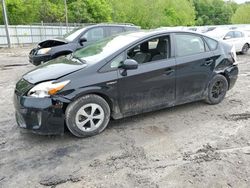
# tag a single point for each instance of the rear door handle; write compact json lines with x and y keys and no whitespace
{"x":169,"y":71}
{"x":208,"y":62}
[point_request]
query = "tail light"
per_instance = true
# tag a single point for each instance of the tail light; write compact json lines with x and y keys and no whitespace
{"x":233,"y":55}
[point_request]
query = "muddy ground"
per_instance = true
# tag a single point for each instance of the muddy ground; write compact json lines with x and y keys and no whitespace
{"x":193,"y":145}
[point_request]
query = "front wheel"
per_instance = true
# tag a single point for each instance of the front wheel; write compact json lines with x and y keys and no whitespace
{"x":245,"y":48}
{"x":87,"y":116}
{"x":217,"y":89}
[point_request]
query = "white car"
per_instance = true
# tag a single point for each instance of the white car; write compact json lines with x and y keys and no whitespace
{"x":239,"y":39}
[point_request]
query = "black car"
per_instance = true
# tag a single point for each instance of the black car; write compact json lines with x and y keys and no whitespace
{"x":76,"y":39}
{"x":122,"y":76}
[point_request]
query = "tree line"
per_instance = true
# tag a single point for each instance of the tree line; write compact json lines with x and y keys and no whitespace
{"x":146,"y":13}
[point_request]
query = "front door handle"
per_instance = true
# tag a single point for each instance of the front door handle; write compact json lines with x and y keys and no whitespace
{"x":208,"y":62}
{"x":169,"y":71}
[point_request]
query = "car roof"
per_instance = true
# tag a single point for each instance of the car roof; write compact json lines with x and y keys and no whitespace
{"x":147,"y":33}
{"x":110,"y":24}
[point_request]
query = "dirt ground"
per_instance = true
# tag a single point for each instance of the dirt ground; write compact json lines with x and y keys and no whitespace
{"x":193,"y":145}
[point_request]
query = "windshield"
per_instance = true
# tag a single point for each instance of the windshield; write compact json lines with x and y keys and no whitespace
{"x":104,"y":48}
{"x":73,"y":34}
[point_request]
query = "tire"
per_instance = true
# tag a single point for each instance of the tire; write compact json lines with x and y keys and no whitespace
{"x":245,"y":48}
{"x":217,"y":89}
{"x":87,"y":116}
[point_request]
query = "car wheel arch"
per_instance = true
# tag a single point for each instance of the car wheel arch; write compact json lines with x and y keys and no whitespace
{"x":247,"y":43}
{"x":227,"y":77}
{"x":223,"y":74}
{"x":242,"y":49}
{"x":100,"y":94}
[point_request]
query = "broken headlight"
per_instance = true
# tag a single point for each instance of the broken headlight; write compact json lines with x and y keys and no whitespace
{"x":46,"y":89}
{"x":43,"y":51}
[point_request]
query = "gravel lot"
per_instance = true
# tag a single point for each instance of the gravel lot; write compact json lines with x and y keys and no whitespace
{"x":193,"y":145}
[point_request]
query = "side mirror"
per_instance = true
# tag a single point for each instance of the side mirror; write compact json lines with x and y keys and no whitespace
{"x":227,"y":37}
{"x":129,"y":64}
{"x":82,"y":40}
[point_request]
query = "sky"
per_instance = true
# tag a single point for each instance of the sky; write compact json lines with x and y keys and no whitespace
{"x":241,"y":1}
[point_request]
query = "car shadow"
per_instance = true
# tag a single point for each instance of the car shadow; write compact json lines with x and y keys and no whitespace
{"x":121,"y":124}
{"x":124,"y":133}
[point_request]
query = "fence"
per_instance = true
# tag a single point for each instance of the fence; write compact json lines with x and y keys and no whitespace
{"x":21,"y":35}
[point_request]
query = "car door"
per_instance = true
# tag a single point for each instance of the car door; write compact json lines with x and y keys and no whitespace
{"x":229,"y":38}
{"x":194,"y":67}
{"x":152,"y":84}
{"x":239,"y":40}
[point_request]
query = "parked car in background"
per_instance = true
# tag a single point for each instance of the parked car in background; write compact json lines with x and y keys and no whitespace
{"x":122,"y":76}
{"x":239,"y":39}
{"x":78,"y":38}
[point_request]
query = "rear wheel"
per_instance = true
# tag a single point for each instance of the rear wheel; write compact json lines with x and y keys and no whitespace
{"x":87,"y":116}
{"x":245,"y":48}
{"x":217,"y":89}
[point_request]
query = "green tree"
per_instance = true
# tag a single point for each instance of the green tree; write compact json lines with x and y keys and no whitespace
{"x":178,"y":12}
{"x":21,"y":11}
{"x":30,"y":11}
{"x":146,"y":13}
{"x":1,"y":15}
{"x":51,"y":11}
{"x":242,"y":15}
{"x":93,"y":11}
{"x":153,"y":13}
{"x":213,"y":12}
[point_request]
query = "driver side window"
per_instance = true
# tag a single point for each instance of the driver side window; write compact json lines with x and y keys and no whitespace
{"x":152,"y":50}
{"x":229,"y":35}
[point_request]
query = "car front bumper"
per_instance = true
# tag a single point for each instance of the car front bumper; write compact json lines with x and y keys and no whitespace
{"x":39,"y":115}
{"x":36,"y":59}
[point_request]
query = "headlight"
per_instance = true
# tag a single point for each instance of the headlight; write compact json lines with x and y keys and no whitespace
{"x":46,"y":89}
{"x":43,"y":51}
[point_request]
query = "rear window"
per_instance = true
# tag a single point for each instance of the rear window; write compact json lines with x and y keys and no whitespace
{"x":212,"y":44}
{"x":187,"y":44}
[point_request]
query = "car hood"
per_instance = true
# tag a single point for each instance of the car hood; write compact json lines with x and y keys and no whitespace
{"x":53,"y":69}
{"x":52,"y":42}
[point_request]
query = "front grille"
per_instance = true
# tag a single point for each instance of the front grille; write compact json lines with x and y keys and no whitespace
{"x":34,"y":51}
{"x":22,"y":87}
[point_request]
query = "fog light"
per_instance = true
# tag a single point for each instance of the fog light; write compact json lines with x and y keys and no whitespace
{"x":39,"y":120}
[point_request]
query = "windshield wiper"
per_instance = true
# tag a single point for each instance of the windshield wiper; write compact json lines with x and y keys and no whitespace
{"x":79,"y":59}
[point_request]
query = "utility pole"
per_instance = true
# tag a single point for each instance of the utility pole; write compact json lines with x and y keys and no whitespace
{"x":66,"y":14}
{"x":5,"y":18}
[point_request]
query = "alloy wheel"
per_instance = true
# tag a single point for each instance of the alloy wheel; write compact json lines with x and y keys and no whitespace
{"x":218,"y":89}
{"x":89,"y":117}
{"x":245,"y":48}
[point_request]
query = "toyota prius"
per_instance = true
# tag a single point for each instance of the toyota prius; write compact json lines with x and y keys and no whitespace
{"x":122,"y":76}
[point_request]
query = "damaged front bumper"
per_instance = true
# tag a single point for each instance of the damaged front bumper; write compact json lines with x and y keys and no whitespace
{"x":37,"y":59}
{"x":39,"y":115}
